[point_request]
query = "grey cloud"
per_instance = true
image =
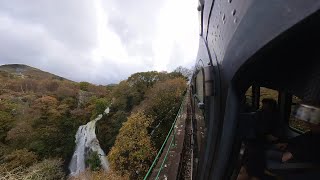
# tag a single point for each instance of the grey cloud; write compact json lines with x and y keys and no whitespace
{"x":72,"y":21}
{"x":56,"y":36}
{"x":134,"y":22}
{"x":59,"y":36}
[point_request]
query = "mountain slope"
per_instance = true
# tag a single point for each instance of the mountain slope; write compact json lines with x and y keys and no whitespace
{"x":40,"y":114}
{"x":24,"y":71}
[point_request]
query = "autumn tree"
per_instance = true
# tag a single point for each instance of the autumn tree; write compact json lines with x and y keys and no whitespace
{"x":51,"y":85}
{"x":20,"y":135}
{"x":187,"y":73}
{"x":47,"y":105}
{"x":143,"y":80}
{"x":65,"y":92}
{"x":133,"y":152}
{"x":162,"y":104}
{"x":53,"y":132}
{"x":124,"y":97}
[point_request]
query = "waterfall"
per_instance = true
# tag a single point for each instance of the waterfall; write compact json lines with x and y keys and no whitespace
{"x":86,"y":141}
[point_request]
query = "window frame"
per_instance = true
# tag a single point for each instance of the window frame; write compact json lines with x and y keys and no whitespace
{"x":296,"y":130}
{"x":196,"y":94}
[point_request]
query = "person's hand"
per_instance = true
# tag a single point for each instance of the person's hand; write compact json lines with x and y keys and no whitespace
{"x":281,"y":146}
{"x":286,"y":156}
{"x":243,"y":174}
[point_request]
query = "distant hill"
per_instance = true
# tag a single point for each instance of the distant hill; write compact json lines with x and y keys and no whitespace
{"x":24,"y":71}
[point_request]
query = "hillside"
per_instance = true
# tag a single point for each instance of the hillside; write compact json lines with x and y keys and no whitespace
{"x":24,"y":71}
{"x":40,"y":114}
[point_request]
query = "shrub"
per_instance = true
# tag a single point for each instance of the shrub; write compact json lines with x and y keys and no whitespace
{"x":94,"y":161}
{"x":6,"y":123}
{"x":99,"y":175}
{"x":49,"y":169}
{"x":21,"y":157}
{"x":84,"y":86}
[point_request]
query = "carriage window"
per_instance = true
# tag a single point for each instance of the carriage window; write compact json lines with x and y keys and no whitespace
{"x":199,"y":85}
{"x":294,"y":123}
{"x":253,"y":98}
{"x":267,"y":93}
{"x":248,"y":106}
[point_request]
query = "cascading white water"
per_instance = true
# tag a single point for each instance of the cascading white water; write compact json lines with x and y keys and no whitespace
{"x":86,"y":141}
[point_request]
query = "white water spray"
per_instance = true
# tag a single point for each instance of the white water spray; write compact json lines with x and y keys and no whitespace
{"x":86,"y":141}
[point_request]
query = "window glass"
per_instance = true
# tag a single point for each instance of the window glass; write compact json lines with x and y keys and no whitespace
{"x":267,"y":93}
{"x":248,"y":100}
{"x":295,"y":123}
{"x":199,"y":85}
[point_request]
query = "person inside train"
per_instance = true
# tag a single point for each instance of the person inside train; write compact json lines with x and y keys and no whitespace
{"x":304,"y":148}
{"x":269,"y":127}
{"x":268,"y":132}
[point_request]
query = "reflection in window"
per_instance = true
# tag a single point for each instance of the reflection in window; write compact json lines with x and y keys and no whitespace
{"x":199,"y":85}
{"x":264,"y":93}
{"x":294,"y":123}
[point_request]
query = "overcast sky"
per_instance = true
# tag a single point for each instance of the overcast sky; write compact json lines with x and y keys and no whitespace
{"x":100,"y":41}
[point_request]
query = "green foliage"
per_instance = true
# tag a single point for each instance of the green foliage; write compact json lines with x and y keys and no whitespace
{"x":124,"y":99}
{"x":84,"y":86}
{"x":57,"y":138}
{"x":8,"y":105}
{"x":122,"y":94}
{"x":100,"y":105}
{"x":6,"y":123}
{"x":39,"y":147}
{"x":162,"y":103}
{"x":71,"y":102}
{"x":133,"y":152}
{"x":108,"y":128}
{"x":143,"y":80}
{"x":129,"y":94}
{"x":93,"y":161}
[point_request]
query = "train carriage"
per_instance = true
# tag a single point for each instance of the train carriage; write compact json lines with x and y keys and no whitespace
{"x":246,"y":47}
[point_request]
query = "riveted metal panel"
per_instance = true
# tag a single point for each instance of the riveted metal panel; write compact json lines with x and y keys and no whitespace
{"x":225,"y":18}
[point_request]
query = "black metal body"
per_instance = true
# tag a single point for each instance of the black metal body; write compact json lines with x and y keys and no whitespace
{"x":241,"y":41}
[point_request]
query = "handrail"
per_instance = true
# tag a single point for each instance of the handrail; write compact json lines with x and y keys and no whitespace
{"x":163,"y":145}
